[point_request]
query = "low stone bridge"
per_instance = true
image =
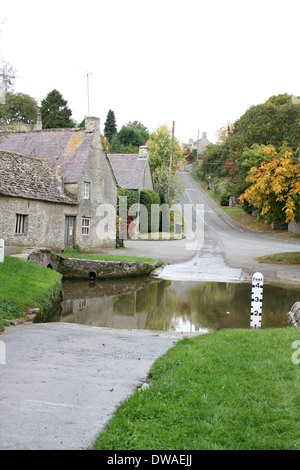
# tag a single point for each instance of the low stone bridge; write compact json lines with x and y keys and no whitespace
{"x":75,"y":268}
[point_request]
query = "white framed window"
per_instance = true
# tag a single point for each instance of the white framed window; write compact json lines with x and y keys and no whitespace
{"x":21,"y":223}
{"x":83,"y":303}
{"x":86,"y":190}
{"x":86,"y":226}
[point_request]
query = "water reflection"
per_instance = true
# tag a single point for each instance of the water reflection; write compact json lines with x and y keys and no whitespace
{"x":155,"y":304}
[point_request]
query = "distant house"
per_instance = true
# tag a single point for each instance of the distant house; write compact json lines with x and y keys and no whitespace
{"x":132,"y":171}
{"x":33,"y":207}
{"x":199,"y":144}
{"x":87,"y":178}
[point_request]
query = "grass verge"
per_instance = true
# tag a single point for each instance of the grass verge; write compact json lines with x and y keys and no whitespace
{"x":291,"y":258}
{"x":25,"y":285}
{"x":100,"y":257}
{"x":228,"y":390}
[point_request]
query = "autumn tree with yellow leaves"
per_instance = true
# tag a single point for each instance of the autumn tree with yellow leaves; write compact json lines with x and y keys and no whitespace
{"x":160,"y":143}
{"x":275,"y":187}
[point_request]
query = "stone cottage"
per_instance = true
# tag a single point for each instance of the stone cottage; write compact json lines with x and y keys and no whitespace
{"x":33,"y":208}
{"x":199,"y":144}
{"x":83,"y":172}
{"x":132,"y":171}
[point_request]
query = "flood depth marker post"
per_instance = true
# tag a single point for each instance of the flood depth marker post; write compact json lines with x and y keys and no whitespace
{"x":1,"y":250}
{"x":256,"y":300}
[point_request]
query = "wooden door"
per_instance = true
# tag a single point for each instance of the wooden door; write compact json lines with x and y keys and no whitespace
{"x":69,"y":232}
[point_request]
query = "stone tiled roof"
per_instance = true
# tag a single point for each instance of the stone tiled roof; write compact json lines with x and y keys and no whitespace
{"x":128,"y":169}
{"x":67,"y":148}
{"x":29,"y":178}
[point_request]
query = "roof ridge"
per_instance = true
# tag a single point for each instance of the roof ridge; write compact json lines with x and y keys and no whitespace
{"x":21,"y":155}
{"x":39,"y":131}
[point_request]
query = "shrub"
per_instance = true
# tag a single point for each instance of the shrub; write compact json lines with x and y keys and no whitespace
{"x":147,"y":198}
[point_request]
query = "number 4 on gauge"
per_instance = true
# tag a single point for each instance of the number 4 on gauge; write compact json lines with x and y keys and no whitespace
{"x":256,"y":300}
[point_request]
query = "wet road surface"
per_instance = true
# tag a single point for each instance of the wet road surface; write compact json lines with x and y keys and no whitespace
{"x":223,"y":250}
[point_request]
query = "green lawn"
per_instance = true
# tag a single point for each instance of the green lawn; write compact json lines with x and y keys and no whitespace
{"x":100,"y":257}
{"x":232,"y":389}
{"x":25,"y":285}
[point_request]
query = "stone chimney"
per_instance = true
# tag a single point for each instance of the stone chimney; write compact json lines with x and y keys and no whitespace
{"x":144,"y":152}
{"x":39,"y":125}
{"x":92,"y":124}
{"x":58,"y":180}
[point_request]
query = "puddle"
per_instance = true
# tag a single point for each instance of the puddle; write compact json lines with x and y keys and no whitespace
{"x":166,"y":305}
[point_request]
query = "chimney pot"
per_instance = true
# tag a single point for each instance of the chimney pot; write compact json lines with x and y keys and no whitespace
{"x":92,"y":124}
{"x":144,"y":152}
{"x":39,"y":125}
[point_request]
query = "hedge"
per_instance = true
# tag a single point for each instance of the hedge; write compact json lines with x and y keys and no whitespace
{"x":147,"y":198}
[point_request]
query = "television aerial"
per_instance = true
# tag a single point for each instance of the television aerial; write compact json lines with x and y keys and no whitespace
{"x":88,"y":88}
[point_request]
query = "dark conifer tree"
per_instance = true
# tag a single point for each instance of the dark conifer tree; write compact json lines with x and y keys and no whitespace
{"x":55,"y":111}
{"x":110,"y":126}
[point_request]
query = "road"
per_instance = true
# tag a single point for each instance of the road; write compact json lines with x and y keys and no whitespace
{"x":62,"y":382}
{"x":225,"y":251}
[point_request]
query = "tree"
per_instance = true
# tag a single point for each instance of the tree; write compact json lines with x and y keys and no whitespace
{"x":272,"y":123}
{"x":55,"y":111}
{"x":161,"y":179}
{"x":7,"y":76}
{"x":254,"y":138}
{"x":110,"y":126}
{"x":128,"y":140}
{"x":138,"y":125}
{"x":160,"y":143}
{"x":275,"y":188}
{"x":223,"y":133}
{"x":19,"y":107}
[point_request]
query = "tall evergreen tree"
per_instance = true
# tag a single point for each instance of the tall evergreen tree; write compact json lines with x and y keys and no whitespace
{"x":55,"y":111}
{"x":110,"y":126}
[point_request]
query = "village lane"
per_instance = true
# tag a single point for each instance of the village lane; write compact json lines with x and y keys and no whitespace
{"x":223,"y":251}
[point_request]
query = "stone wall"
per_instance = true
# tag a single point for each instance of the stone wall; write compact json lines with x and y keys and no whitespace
{"x":147,"y":182}
{"x":103,"y":191}
{"x":293,"y":317}
{"x":74,"y":268}
{"x":42,"y":256}
{"x":293,"y":227}
{"x":44,"y":226}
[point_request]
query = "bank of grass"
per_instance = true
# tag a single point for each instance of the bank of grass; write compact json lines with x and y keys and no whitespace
{"x":228,"y":390}
{"x":291,"y":258}
{"x":25,"y":285}
{"x":100,"y":257}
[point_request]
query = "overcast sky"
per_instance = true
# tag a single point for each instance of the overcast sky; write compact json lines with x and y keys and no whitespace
{"x":199,"y":63}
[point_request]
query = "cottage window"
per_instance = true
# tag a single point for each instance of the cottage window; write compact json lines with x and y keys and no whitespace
{"x":86,"y":190}
{"x":83,"y":303}
{"x":21,"y":223}
{"x":86,"y":225}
